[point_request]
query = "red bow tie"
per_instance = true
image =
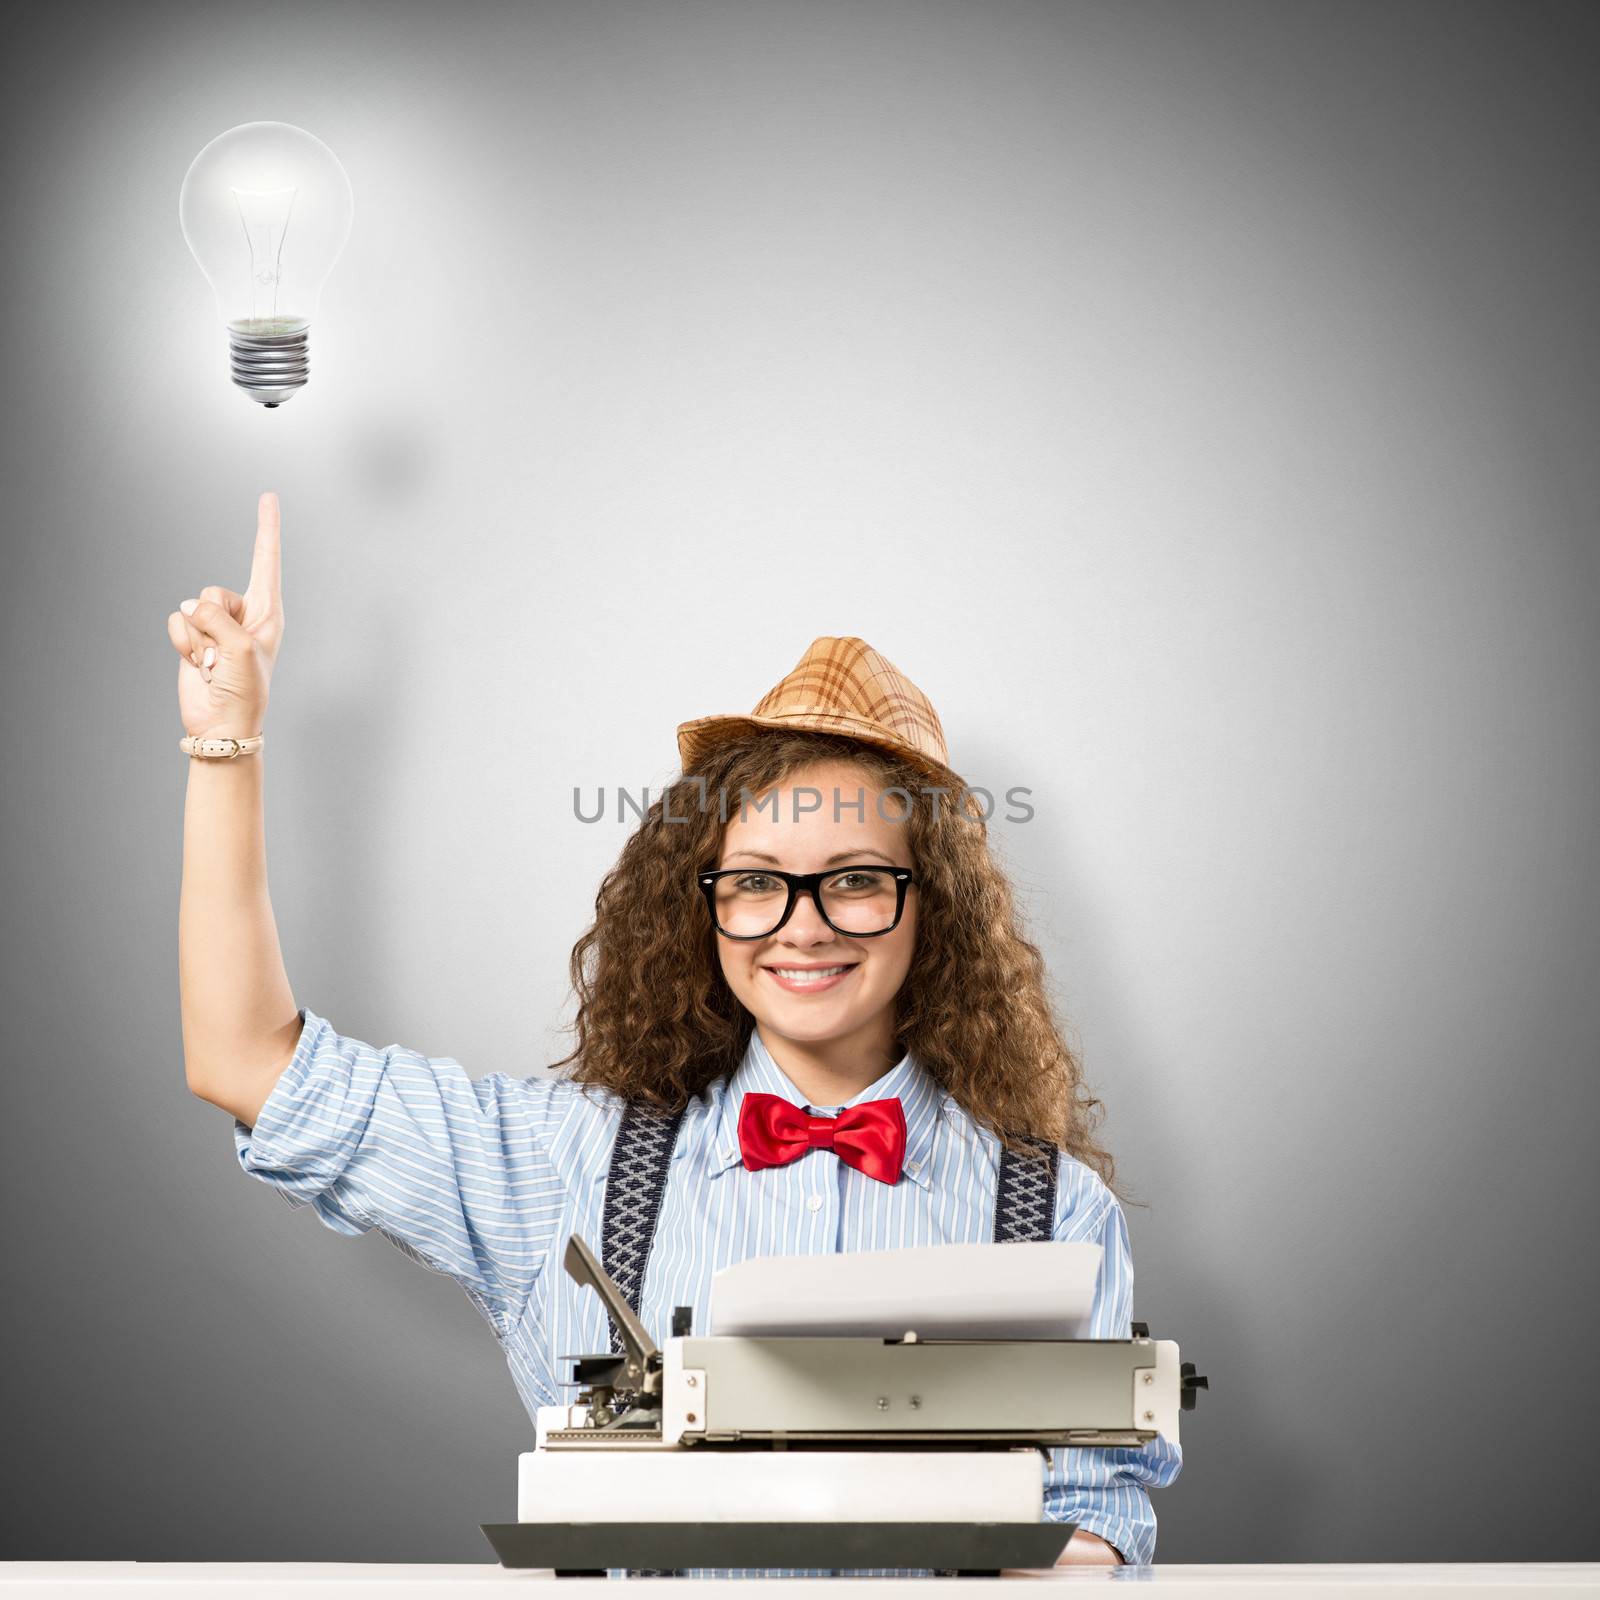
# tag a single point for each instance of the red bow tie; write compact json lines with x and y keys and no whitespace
{"x":870,"y":1137}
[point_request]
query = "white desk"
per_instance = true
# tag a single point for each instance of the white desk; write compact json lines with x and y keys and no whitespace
{"x":248,"y":1580}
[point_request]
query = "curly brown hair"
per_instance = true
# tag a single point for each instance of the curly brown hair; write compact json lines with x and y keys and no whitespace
{"x":657,"y":1022}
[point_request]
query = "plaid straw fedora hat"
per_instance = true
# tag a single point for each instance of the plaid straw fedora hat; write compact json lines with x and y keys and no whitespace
{"x":838,"y":686}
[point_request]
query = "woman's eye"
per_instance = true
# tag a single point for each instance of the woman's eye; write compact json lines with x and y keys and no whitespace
{"x":847,"y":881}
{"x":755,"y":883}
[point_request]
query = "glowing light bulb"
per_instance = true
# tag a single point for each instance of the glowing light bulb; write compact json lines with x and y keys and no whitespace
{"x":266,"y":210}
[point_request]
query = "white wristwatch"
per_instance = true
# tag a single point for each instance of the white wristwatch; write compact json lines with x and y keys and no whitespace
{"x":220,"y":749}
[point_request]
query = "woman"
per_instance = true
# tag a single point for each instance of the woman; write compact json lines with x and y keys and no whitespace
{"x":804,"y":981}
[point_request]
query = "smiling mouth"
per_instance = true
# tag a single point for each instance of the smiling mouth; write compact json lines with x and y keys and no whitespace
{"x":804,"y":978}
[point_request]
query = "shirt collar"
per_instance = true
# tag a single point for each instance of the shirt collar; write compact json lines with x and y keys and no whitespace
{"x":920,"y":1097}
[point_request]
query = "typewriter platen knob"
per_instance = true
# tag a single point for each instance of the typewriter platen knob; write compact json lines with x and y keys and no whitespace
{"x":682,"y":1321}
{"x":1191,"y":1383}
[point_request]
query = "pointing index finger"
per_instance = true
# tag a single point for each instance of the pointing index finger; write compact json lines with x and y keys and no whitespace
{"x":265,"y":566}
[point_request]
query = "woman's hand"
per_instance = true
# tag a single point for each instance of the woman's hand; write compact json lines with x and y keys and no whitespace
{"x":228,"y":643}
{"x":1085,"y":1549}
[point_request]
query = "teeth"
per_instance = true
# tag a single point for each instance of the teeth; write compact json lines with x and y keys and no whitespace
{"x":809,"y":974}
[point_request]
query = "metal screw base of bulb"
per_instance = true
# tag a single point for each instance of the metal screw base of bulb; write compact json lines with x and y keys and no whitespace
{"x":271,"y":360}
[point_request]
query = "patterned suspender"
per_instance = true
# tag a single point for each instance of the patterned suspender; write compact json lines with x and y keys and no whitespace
{"x":1025,"y":1195}
{"x":635,"y":1183}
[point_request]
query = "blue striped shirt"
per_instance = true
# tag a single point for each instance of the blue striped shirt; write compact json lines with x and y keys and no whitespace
{"x":484,"y":1179}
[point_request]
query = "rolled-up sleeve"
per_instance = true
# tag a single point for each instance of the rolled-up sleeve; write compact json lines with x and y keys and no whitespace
{"x":1106,"y":1491}
{"x":453,"y":1170}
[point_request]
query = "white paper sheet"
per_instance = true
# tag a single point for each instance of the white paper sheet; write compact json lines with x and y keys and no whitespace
{"x":944,"y":1291}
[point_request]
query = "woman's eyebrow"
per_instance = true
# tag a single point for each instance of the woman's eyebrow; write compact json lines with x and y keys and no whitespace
{"x":833,"y":860}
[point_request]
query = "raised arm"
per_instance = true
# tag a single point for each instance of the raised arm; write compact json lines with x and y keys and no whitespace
{"x":240,"y":1021}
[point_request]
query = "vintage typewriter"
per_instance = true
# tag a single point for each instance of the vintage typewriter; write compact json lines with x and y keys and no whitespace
{"x":823,"y":1452}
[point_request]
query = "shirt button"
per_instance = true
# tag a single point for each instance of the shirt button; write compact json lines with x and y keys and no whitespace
{"x":913,"y":1166}
{"x":814,"y":1203}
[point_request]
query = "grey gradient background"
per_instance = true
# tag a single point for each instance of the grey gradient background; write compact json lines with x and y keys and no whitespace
{"x":1197,"y":399}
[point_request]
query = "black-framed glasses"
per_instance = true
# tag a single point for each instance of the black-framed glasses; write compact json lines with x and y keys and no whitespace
{"x":860,"y":902}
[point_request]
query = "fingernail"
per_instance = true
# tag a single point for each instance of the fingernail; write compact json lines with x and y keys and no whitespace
{"x":211,"y":655}
{"x":186,"y":606}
